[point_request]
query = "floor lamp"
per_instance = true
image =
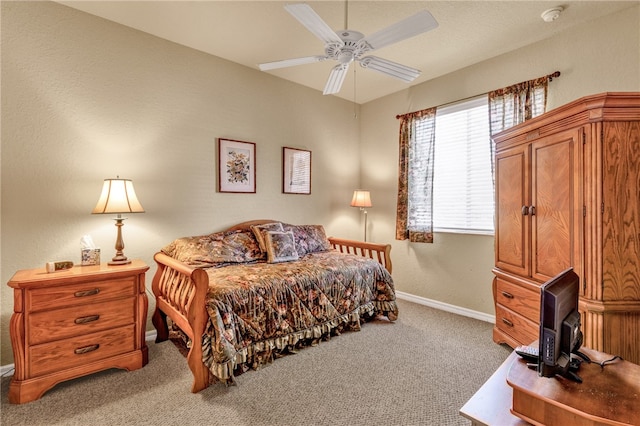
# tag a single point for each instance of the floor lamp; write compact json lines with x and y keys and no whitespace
{"x":362,"y":199}
{"x":118,"y":196}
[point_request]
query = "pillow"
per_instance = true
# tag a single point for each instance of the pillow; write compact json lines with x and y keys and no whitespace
{"x":308,"y":238}
{"x":281,"y":246}
{"x":221,"y":247}
{"x":259,"y":231}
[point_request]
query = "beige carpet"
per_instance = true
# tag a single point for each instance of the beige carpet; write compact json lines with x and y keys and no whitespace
{"x":417,"y":371}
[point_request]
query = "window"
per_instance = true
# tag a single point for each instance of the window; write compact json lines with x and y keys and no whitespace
{"x":445,"y":169}
{"x":462,"y":181}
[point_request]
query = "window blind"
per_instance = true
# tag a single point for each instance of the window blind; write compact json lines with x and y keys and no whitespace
{"x":462,"y":183}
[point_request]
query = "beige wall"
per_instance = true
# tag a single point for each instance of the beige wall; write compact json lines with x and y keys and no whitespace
{"x":84,"y":99}
{"x":601,"y":56}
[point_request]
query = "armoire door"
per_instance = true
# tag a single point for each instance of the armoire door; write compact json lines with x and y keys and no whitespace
{"x":556,"y":204}
{"x":512,"y":228}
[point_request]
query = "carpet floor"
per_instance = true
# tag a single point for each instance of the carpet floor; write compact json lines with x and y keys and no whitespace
{"x":419,"y":370}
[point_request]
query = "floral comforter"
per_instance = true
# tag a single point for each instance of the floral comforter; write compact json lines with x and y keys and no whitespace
{"x":261,"y":310}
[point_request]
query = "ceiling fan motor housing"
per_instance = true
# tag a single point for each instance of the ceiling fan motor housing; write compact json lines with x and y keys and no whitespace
{"x":350,"y":48}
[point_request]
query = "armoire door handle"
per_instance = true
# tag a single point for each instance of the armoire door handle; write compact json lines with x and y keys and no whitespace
{"x":532,"y":210}
{"x":525,"y":210}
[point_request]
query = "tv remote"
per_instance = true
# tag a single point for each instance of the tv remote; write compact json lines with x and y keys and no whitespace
{"x":528,"y":353}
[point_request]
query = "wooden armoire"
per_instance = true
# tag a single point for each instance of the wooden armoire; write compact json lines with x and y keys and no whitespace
{"x":568,"y":195}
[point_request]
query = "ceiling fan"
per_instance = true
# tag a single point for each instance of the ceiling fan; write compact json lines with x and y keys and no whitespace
{"x":346,"y":46}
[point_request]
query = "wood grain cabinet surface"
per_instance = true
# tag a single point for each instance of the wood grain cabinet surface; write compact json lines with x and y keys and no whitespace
{"x":70,"y":323}
{"x":567,"y":195}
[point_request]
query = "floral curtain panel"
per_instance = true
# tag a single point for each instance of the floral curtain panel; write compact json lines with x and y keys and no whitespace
{"x":414,"y":220}
{"x":515,"y":104}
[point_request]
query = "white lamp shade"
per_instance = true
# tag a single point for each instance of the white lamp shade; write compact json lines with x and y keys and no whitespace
{"x":361,"y":199}
{"x":118,"y":196}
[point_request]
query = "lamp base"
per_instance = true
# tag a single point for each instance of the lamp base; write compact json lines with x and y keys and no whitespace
{"x":119,"y":262}
{"x":119,"y":258}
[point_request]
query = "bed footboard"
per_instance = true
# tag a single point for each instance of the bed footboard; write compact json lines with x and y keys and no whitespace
{"x":379,"y":252}
{"x":180,"y":293}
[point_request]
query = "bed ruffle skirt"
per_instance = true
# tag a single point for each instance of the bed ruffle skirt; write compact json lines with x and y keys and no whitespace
{"x":262,"y":353}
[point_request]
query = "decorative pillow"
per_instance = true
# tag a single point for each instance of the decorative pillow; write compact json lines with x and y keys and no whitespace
{"x":260,"y":230}
{"x":308,"y":238}
{"x":220,"y":247}
{"x":281,"y":246}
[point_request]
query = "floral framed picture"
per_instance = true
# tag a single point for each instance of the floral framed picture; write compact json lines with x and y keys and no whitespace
{"x":296,"y":171}
{"x":236,"y":166}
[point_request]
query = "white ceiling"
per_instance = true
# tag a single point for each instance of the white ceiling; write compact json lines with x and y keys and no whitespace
{"x":253,"y":32}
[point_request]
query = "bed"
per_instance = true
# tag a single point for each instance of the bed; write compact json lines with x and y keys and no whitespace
{"x":244,"y":296}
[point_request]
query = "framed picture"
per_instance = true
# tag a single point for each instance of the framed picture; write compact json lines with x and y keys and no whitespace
{"x":296,"y":171}
{"x":236,"y":166}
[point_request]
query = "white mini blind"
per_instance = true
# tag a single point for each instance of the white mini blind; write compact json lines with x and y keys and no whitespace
{"x":463,"y":188}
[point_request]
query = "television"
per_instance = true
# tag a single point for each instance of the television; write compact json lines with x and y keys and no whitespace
{"x":560,"y":334}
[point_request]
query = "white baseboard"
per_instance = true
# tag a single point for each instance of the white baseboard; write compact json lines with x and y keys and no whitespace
{"x":151,"y":335}
{"x":446,"y":307}
{"x":5,"y":370}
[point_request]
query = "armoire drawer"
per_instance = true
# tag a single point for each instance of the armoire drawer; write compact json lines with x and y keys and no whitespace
{"x":518,"y":299}
{"x":517,"y":326}
{"x":47,"y":326}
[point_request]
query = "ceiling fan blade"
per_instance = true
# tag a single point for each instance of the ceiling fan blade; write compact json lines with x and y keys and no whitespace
{"x":393,"y":69}
{"x":313,"y":22}
{"x":338,"y":73}
{"x":419,"y":23}
{"x":290,"y":62}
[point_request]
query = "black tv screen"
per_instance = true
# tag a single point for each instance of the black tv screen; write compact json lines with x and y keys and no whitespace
{"x":560,"y":334}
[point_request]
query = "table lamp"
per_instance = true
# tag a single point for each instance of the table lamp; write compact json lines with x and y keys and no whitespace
{"x":362,"y":199}
{"x":118,"y":196}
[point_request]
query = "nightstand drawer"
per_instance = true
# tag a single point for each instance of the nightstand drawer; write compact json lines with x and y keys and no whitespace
{"x":517,"y":326}
{"x":79,"y":294}
{"x":518,"y":299}
{"x":47,"y":326}
{"x":77,"y":351}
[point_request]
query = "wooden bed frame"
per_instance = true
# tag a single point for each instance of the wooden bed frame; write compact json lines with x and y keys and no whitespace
{"x":181,"y":292}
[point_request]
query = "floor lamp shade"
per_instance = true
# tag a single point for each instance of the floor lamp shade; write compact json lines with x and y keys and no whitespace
{"x":362,"y":199}
{"x":117,"y":197}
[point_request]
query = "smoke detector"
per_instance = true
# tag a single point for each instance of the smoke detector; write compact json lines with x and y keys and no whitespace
{"x":552,"y":14}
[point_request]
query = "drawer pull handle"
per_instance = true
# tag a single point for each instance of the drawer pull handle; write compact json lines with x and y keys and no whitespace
{"x":84,"y":320}
{"x":506,"y":321}
{"x":87,"y":292}
{"x":507,"y":295}
{"x":86,"y":349}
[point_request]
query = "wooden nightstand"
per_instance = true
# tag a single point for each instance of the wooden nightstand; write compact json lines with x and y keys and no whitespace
{"x":70,"y":323}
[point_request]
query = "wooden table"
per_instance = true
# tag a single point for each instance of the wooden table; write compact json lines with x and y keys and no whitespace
{"x":491,"y":404}
{"x":605,"y":396}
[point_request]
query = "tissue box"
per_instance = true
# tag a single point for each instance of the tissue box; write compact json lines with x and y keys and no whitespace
{"x":90,"y":256}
